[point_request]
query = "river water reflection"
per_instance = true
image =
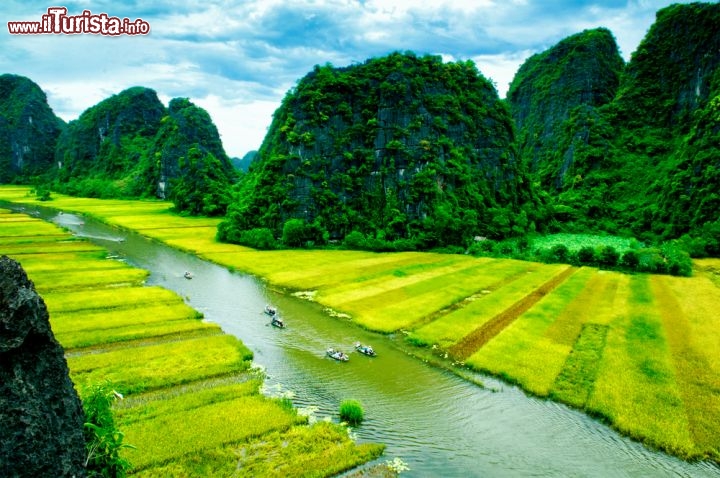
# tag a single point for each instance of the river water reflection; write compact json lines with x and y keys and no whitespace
{"x":439,"y":424}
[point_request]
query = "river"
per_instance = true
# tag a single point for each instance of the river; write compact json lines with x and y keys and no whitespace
{"x":436,"y":422}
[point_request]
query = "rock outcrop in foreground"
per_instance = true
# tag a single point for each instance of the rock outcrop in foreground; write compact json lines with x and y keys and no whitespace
{"x":41,"y":416}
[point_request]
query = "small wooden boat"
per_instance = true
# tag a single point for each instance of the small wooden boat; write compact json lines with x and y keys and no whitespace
{"x":277,"y":322}
{"x":337,"y":355}
{"x":188,"y":275}
{"x":270,"y":310}
{"x":365,"y":349}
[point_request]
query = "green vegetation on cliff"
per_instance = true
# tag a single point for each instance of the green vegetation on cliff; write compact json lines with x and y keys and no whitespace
{"x":28,"y":130}
{"x":130,"y":145}
{"x":400,"y":149}
{"x":638,"y":157}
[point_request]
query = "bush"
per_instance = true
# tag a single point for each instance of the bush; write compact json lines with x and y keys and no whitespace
{"x":355,"y":240}
{"x":258,"y":238}
{"x":586,"y":256}
{"x":103,"y":441}
{"x":608,"y":256}
{"x":351,"y":411}
{"x":298,"y":233}
{"x":630,"y":260}
{"x":559,"y":253}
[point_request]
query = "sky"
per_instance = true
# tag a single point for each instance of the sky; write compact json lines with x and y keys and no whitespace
{"x":238,"y":58}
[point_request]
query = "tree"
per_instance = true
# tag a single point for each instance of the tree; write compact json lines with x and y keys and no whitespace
{"x":202,"y":188}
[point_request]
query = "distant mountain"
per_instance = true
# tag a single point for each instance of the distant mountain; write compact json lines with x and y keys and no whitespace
{"x":399,"y":147}
{"x":243,"y":164}
{"x":28,"y":129}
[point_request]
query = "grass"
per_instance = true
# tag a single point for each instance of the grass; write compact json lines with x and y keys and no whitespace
{"x":317,"y":451}
{"x":448,"y":330}
{"x":351,"y":411}
{"x":162,"y":364}
{"x":108,"y":298}
{"x":639,"y":351}
{"x":575,"y":382}
{"x":166,"y":436}
{"x":575,"y":242}
{"x":524,"y":351}
{"x":636,"y":387}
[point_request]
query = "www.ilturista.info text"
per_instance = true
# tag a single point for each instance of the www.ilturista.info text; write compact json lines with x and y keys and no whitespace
{"x":57,"y":22}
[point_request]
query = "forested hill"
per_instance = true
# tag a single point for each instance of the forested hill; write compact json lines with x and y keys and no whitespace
{"x":578,"y":75}
{"x":131,"y":145}
{"x":406,"y":151}
{"x":397,"y":148}
{"x":638,"y":157}
{"x":28,"y":129}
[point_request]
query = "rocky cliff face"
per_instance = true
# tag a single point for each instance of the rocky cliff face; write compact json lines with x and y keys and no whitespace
{"x":399,"y":144}
{"x":41,"y":416}
{"x":565,"y":84}
{"x":633,"y":149}
{"x":28,"y":129}
{"x":185,"y":126}
{"x":110,"y":138}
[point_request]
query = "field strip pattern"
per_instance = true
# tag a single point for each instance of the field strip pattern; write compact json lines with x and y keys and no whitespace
{"x":591,"y":305}
{"x":637,"y":369}
{"x":696,"y":381}
{"x":575,"y":383}
{"x":478,"y":293}
{"x":483,"y":334}
{"x":448,"y":329}
{"x":190,"y":392}
{"x":523,"y":351}
{"x":387,"y":290}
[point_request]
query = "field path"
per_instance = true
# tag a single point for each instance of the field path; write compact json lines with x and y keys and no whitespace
{"x":483,"y":334}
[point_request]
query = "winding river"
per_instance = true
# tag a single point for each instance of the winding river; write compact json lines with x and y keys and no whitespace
{"x":438,"y":423}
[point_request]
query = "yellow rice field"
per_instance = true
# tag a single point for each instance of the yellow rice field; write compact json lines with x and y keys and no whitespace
{"x":189,"y":389}
{"x":638,"y":351}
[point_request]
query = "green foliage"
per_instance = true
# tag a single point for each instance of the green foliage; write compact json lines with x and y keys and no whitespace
{"x":103,"y":441}
{"x":351,"y":411}
{"x":298,"y":233}
{"x":28,"y":130}
{"x":258,"y":238}
{"x":444,"y":171}
{"x":628,"y":149}
{"x":201,"y":188}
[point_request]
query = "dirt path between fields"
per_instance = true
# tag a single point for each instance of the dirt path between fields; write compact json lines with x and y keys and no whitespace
{"x":483,"y":334}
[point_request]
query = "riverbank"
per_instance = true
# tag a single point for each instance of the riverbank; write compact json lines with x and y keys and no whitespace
{"x":192,"y":404}
{"x":636,"y":350}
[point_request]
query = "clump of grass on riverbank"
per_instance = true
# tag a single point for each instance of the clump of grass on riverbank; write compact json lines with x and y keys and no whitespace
{"x":351,"y":412}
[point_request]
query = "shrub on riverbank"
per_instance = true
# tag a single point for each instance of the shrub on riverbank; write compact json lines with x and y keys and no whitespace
{"x":351,"y":411}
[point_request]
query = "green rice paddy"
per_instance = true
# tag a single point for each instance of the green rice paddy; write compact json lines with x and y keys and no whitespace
{"x":638,"y":351}
{"x":191,"y":398}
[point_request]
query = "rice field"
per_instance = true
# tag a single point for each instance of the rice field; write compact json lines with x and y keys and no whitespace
{"x":637,"y":351}
{"x":190,"y":394}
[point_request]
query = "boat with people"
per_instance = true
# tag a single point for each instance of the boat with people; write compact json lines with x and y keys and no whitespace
{"x":365,"y":349}
{"x":188,"y":275}
{"x":277,"y":322}
{"x":337,"y":355}
{"x":270,"y":310}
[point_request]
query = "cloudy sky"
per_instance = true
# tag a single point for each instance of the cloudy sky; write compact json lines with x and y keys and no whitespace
{"x":238,"y":58}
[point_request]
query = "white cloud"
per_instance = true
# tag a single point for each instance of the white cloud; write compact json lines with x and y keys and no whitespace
{"x":237,"y":58}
